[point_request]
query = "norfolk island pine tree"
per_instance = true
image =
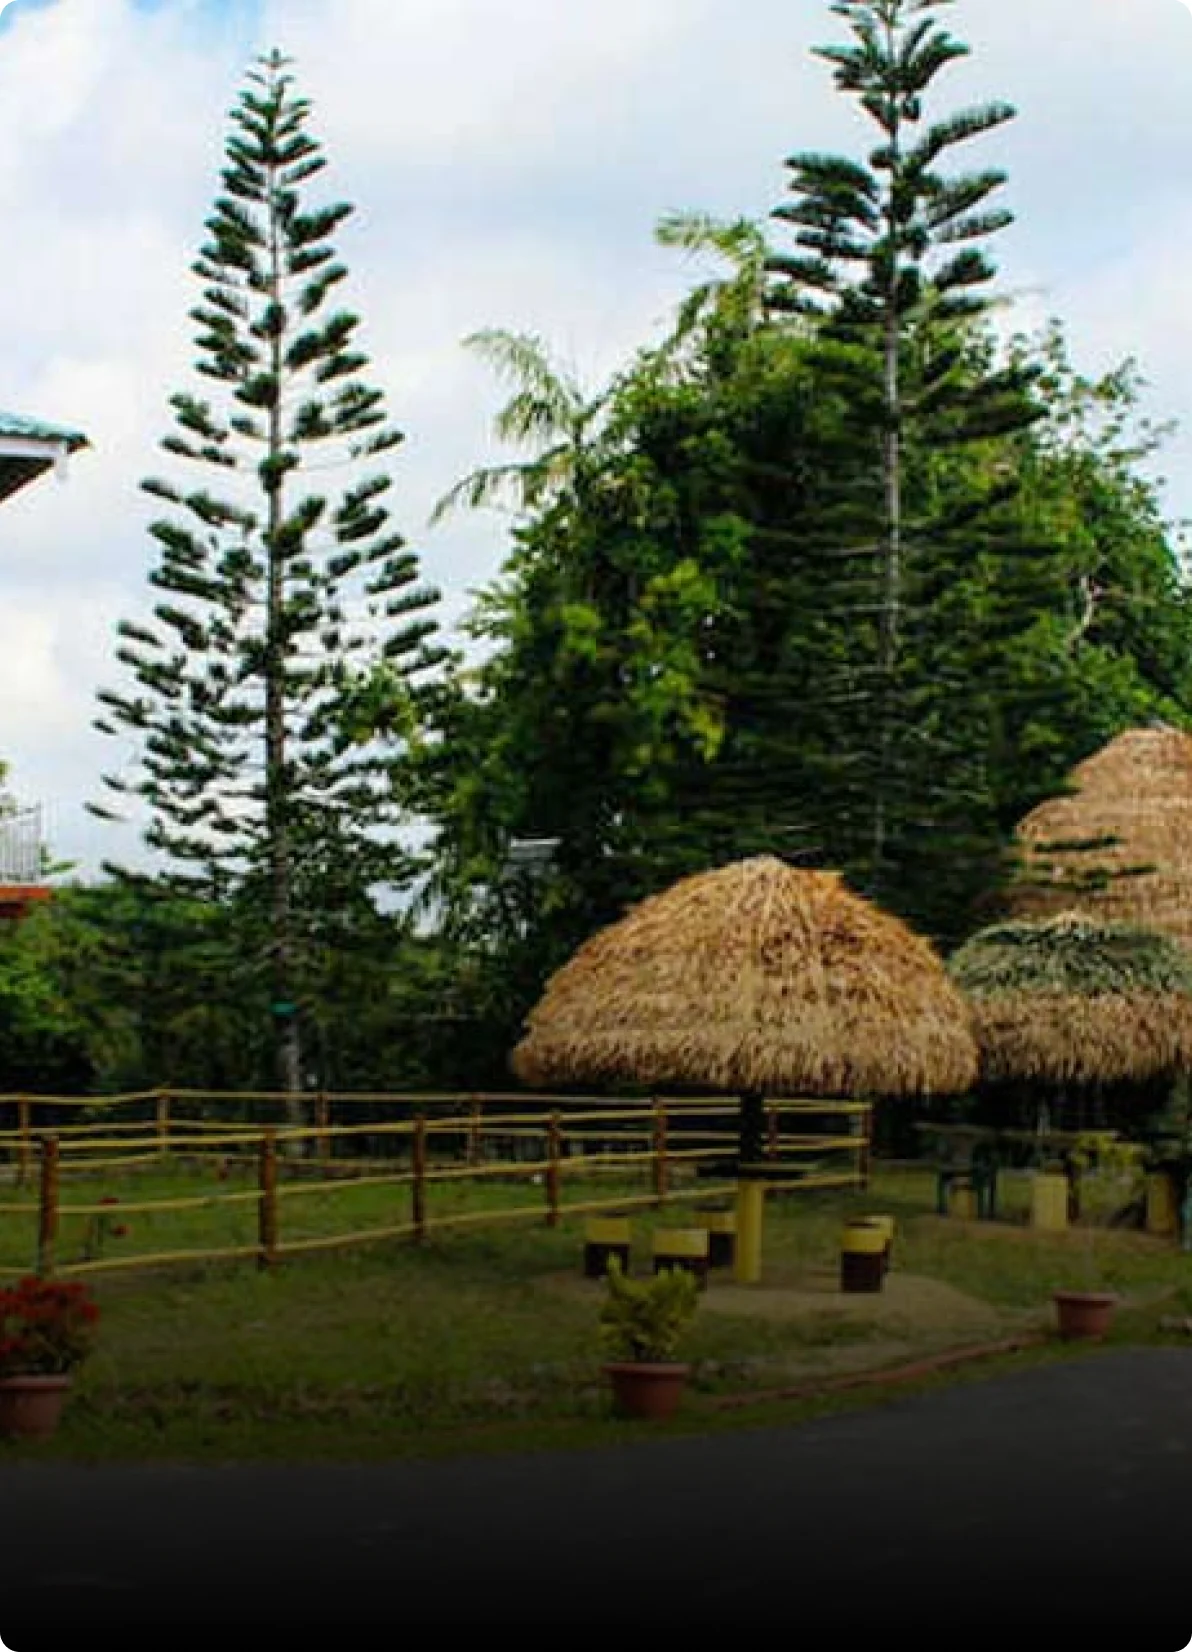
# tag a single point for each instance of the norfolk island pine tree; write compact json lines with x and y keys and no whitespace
{"x":280,"y":606}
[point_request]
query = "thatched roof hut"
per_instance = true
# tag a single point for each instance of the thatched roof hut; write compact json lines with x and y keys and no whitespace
{"x":1120,"y":848}
{"x":755,"y":977}
{"x":1070,"y":1000}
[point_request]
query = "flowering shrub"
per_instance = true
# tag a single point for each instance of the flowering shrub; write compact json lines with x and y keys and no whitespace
{"x":46,"y":1329}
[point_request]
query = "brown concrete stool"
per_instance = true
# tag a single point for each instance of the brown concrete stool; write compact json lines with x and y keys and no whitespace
{"x":721,"y":1227}
{"x":604,"y":1238}
{"x":685,"y":1248}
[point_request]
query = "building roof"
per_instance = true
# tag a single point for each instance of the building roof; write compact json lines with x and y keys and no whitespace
{"x":29,"y":447}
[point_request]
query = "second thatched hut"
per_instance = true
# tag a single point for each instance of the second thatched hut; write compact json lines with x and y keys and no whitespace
{"x":1081,"y":1012}
{"x":1119,"y":847}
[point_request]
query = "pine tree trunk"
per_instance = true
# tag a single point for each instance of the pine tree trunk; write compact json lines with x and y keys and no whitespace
{"x":289,"y":1050}
{"x":892,"y":486}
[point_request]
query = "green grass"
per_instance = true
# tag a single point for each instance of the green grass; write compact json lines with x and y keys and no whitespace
{"x":471,"y":1343}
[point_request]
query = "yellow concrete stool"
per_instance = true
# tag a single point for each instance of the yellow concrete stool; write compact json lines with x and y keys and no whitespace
{"x":685,"y":1248}
{"x":1049,"y":1203}
{"x":886,"y":1223}
{"x":721,"y":1226}
{"x":1162,"y":1205}
{"x":606,"y":1237}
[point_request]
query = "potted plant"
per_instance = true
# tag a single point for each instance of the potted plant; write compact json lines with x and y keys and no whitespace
{"x":46,"y":1331}
{"x":642,"y":1324}
{"x":1088,"y":1314}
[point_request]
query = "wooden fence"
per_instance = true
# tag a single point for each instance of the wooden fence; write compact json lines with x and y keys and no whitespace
{"x":573,"y":1139}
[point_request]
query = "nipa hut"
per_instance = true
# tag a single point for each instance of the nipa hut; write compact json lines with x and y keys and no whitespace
{"x":1074,"y":1004}
{"x":754,"y":978}
{"x":749,"y":979}
{"x":1119,"y":848}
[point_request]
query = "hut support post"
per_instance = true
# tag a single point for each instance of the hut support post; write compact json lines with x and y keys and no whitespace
{"x":751,"y":1192}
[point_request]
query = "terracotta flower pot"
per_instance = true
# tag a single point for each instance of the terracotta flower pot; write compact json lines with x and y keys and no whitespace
{"x":30,"y":1407}
{"x":648,"y":1392}
{"x":1084,"y":1315}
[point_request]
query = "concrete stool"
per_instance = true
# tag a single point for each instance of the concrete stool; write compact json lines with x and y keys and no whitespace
{"x":605,"y":1238}
{"x":721,"y":1228}
{"x":685,"y":1248}
{"x":862,"y":1257}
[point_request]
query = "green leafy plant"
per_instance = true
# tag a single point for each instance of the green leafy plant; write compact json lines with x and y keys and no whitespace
{"x":1110,"y":1171}
{"x":645,"y":1321}
{"x":46,"y":1329}
{"x":1111,"y":1175}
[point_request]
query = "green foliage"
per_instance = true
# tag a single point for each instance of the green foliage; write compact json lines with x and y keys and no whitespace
{"x":1077,"y":956}
{"x":645,"y":1321}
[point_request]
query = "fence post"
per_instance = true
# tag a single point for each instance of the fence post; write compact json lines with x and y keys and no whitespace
{"x":267,"y":1214}
{"x":323,"y":1108}
{"x":866,"y":1123}
{"x":24,"y":1124}
{"x":772,"y":1130}
{"x":661,"y":1177}
{"x":554,"y":1148}
{"x":163,"y":1122}
{"x":419,"y":1155}
{"x":47,"y":1207}
{"x":474,"y":1131}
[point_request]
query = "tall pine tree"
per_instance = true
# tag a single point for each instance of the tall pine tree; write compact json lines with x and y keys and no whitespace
{"x":887,"y":267}
{"x":278,"y":602}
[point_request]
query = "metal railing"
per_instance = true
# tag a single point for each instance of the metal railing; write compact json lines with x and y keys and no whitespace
{"x":22,"y":843}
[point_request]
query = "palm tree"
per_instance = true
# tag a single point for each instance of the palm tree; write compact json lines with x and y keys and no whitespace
{"x":549,"y":410}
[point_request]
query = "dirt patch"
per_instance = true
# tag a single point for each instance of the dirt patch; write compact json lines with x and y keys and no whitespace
{"x":910,"y":1305}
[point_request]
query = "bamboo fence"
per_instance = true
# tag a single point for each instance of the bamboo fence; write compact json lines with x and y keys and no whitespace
{"x":578,"y":1138}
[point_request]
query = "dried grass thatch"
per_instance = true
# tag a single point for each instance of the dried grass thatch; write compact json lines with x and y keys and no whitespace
{"x":1137,"y":791}
{"x":754,"y":977}
{"x":1073,"y":1000}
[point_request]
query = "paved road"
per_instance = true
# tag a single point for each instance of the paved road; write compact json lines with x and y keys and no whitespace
{"x":1056,"y":1496}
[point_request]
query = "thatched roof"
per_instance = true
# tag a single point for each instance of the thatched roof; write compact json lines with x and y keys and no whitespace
{"x":1072,"y":1000}
{"x":1137,"y":790}
{"x":754,"y":977}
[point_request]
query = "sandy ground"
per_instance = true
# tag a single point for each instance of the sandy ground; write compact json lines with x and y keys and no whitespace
{"x":911,"y":1316}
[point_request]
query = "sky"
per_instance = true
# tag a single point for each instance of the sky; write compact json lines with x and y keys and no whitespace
{"x":508,"y":160}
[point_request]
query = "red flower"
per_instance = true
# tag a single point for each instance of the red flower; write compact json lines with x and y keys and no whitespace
{"x":45,"y":1327}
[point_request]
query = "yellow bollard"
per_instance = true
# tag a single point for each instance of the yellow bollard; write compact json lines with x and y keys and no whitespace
{"x":751,"y":1202}
{"x":962,"y":1204}
{"x":1162,"y":1207}
{"x":1049,"y":1203}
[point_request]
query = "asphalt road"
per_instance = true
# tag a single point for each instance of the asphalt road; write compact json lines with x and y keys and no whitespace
{"x":1049,"y":1502}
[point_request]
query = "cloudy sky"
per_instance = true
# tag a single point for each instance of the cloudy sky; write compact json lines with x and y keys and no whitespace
{"x":508,"y":159}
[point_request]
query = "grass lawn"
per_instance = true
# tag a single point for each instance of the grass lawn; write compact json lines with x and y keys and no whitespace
{"x":485,"y":1339}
